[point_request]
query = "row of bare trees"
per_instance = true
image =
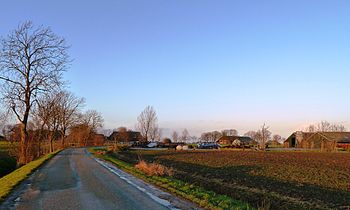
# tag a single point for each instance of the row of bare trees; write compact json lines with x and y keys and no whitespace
{"x":325,"y":126}
{"x":184,"y":137}
{"x":261,"y":136}
{"x":32,"y":62}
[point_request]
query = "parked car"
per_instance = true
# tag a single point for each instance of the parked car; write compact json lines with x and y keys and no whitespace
{"x":208,"y":145}
{"x":152,"y":145}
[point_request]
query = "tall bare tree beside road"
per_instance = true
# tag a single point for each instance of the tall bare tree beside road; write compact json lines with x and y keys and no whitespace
{"x":32,"y":61}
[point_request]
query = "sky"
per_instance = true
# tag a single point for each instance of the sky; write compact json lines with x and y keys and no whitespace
{"x":203,"y":65}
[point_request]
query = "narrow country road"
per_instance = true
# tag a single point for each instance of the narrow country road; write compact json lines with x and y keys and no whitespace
{"x":74,"y":180}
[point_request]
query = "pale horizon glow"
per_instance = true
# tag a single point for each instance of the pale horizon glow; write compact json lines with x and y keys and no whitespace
{"x":203,"y":65}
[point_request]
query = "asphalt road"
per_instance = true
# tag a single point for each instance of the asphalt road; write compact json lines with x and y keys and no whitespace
{"x":74,"y":180}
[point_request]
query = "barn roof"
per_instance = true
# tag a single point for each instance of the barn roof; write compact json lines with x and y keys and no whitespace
{"x":340,"y":137}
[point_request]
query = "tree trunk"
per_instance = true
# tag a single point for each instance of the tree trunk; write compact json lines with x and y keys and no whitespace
{"x":22,"y":156}
{"x":51,"y":144}
{"x":63,"y":133}
{"x":62,"y":142}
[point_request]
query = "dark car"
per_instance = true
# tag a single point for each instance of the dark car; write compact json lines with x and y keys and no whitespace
{"x":208,"y":146}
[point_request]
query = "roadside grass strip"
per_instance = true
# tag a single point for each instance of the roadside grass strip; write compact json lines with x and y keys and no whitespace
{"x":204,"y":198}
{"x":11,"y":180}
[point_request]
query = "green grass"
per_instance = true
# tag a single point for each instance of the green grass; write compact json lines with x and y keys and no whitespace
{"x":204,"y":198}
{"x":4,"y":146}
{"x":11,"y":180}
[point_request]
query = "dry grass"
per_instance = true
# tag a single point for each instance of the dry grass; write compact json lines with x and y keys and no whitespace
{"x":154,"y":169}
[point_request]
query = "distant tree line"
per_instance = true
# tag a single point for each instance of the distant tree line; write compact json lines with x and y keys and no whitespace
{"x":325,"y":126}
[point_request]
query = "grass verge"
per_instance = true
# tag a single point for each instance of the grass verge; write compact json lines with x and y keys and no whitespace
{"x":204,"y":198}
{"x":11,"y":180}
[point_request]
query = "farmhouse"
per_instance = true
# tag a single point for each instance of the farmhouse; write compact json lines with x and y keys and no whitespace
{"x":318,"y":140}
{"x":127,"y":137}
{"x":236,"y":140}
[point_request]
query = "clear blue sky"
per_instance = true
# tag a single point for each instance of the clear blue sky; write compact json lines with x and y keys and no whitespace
{"x":204,"y":65}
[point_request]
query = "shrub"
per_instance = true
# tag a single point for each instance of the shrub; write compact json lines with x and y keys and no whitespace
{"x":100,"y":152}
{"x":154,"y":169}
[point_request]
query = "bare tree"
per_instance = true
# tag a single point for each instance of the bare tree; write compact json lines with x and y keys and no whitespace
{"x":251,"y":134}
{"x":56,"y":113}
{"x":194,"y":138}
{"x":175,"y":136}
{"x":69,"y":109}
{"x":211,"y":136}
{"x":156,"y":134}
{"x":159,"y":134}
{"x":311,"y":128}
{"x":277,"y":138}
{"x":32,"y":61}
{"x":206,"y":136}
{"x":325,"y":126}
{"x":263,"y":135}
{"x":4,"y":118}
{"x":93,"y":119}
{"x":229,"y":132}
{"x":216,"y":135}
{"x":185,"y":135}
{"x":147,"y":122}
{"x":84,"y":132}
{"x":47,"y":117}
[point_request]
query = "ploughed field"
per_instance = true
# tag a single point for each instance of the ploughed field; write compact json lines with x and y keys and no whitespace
{"x":275,"y":180}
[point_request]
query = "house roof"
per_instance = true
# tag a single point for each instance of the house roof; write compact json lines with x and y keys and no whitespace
{"x":245,"y":139}
{"x":130,"y":134}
